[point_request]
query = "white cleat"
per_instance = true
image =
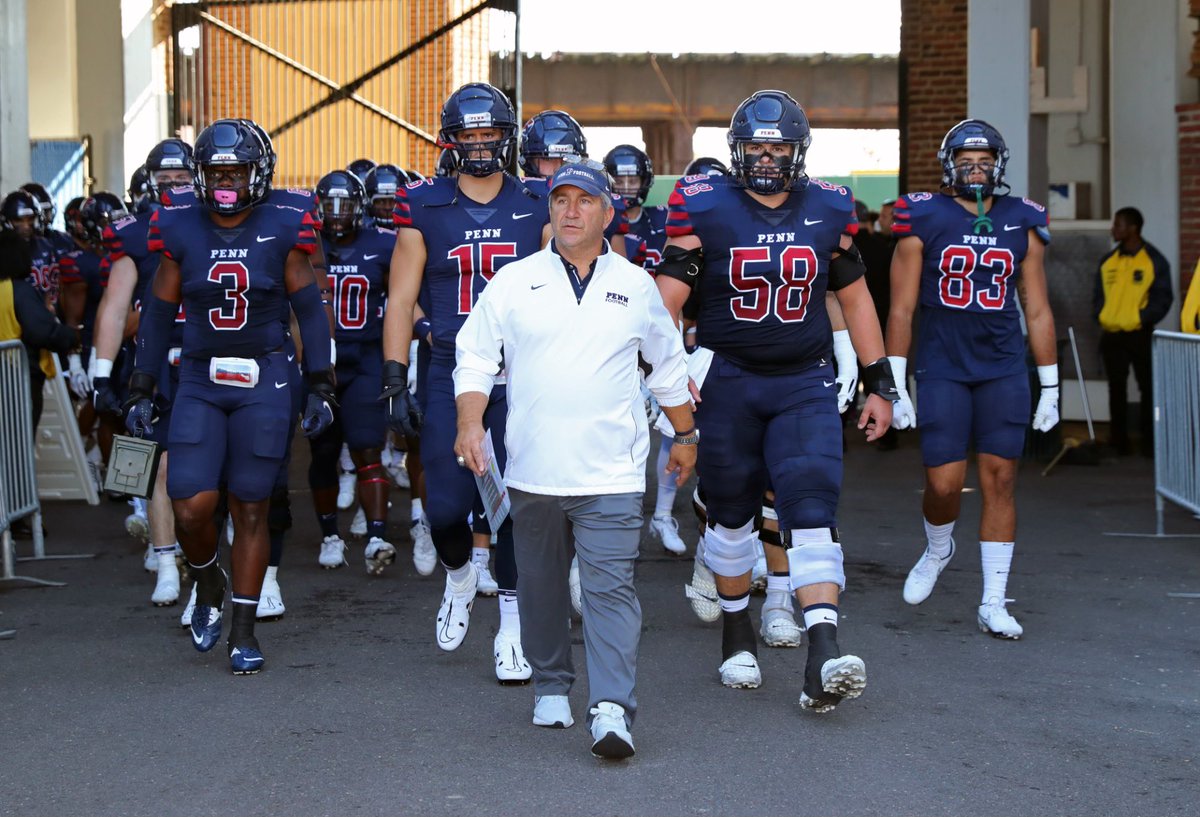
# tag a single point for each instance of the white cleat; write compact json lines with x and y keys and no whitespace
{"x":574,"y":587}
{"x":487,"y":585}
{"x":166,"y":588}
{"x":185,"y":620}
{"x":924,"y":575}
{"x":454,"y":614}
{"x":229,"y":530}
{"x":758,"y":576}
{"x":379,"y":554}
{"x":511,"y":666}
{"x":995,"y":620}
{"x":270,"y":598}
{"x":358,"y":525}
{"x":150,"y":559}
{"x":137,"y":524}
{"x":333,"y":553}
{"x":702,"y":592}
{"x":398,"y":470}
{"x":424,"y":553}
{"x":779,"y":627}
{"x":346,"y":484}
{"x":667,"y":529}
{"x":740,"y":671}
{"x":842,"y":679}
{"x":553,"y":711}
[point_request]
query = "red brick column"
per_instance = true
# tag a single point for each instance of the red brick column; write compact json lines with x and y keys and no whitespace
{"x":933,"y":85}
{"x":1189,"y":191}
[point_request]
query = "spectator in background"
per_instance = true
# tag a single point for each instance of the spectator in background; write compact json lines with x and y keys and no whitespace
{"x":876,"y":248}
{"x":1189,"y":316}
{"x":886,"y":217}
{"x":1132,"y":294}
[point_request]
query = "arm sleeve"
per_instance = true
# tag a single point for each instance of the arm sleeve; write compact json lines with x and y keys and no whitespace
{"x":1160,"y":298}
{"x":662,"y":348}
{"x":39,"y":328}
{"x":306,"y":235}
{"x":156,"y":240}
{"x":68,"y":270}
{"x":480,"y":345}
{"x":114,"y":245}
{"x":904,"y":217}
{"x":402,"y":212}
{"x":314,"y":328}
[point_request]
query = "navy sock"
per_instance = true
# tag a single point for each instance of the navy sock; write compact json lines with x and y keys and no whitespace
{"x":377,"y":528}
{"x":328,"y":522}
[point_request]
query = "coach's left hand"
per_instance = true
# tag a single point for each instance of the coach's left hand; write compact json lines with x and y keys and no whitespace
{"x":468,"y":447}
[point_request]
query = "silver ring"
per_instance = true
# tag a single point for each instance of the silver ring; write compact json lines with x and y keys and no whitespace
{"x":462,"y":460}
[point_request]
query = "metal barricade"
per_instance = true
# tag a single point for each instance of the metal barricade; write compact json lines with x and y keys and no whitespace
{"x":18,"y":478}
{"x":1176,"y":422}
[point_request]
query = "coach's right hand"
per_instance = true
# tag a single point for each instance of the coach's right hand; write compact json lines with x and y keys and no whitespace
{"x":904,"y":416}
{"x":404,"y":415}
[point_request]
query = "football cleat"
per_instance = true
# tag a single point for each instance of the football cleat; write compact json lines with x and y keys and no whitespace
{"x":832,"y":681}
{"x":995,"y":620}
{"x":511,"y":666}
{"x":346,"y":484}
{"x":149,"y":558}
{"x":702,"y":592}
{"x":206,"y":626}
{"x":397,"y":469}
{"x":379,"y":554}
{"x":487,"y":585}
{"x":667,"y":529}
{"x":740,"y":671}
{"x":454,"y":614}
{"x":574,"y":587}
{"x":185,"y":619}
{"x":610,"y":734}
{"x":270,"y":599}
{"x":246,"y":659}
{"x":358,"y":525}
{"x":924,"y":575}
{"x":424,"y":553}
{"x":553,"y":711}
{"x":137,"y":525}
{"x":333,"y":553}
{"x":166,"y":588}
{"x":779,"y":627}
{"x":758,"y":575}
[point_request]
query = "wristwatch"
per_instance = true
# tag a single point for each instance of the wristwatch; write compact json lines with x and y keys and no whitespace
{"x":691,"y":437}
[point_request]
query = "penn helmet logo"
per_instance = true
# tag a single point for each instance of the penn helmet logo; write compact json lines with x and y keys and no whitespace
{"x":975,"y":140}
{"x":171,"y":161}
{"x":767,"y":133}
{"x":223,"y":157}
{"x":477,"y":118}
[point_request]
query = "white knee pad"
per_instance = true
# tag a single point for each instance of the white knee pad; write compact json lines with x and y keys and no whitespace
{"x":815,"y":562}
{"x":730,"y":551}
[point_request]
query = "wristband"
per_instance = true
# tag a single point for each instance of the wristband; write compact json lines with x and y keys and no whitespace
{"x":1048,"y":376}
{"x":878,"y":379}
{"x":103,"y":367}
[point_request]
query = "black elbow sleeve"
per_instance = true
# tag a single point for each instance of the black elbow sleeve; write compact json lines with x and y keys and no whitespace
{"x":682,"y":265}
{"x":846,"y":268}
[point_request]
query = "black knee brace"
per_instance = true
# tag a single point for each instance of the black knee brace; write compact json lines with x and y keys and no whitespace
{"x":323,"y":467}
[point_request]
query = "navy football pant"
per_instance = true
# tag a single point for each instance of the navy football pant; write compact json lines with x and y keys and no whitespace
{"x":994,"y":414}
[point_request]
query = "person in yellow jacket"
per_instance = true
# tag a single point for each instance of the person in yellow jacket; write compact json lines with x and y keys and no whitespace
{"x":23,"y":315}
{"x":1189,"y":316}
{"x":1132,"y":294}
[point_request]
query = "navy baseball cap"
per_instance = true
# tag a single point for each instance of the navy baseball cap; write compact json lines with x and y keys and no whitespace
{"x":587,"y":175}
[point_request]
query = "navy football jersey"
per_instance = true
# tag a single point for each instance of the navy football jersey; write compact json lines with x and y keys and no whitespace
{"x":129,"y":238}
{"x":649,"y":234}
{"x":84,"y":266}
{"x":466,"y":243}
{"x":358,"y":276}
{"x":297,"y":197}
{"x":44,"y":272}
{"x":233,"y":279}
{"x":60,"y":241}
{"x":970,"y":327}
{"x":762,"y":292}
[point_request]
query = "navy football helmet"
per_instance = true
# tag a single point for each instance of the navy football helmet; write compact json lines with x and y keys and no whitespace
{"x":343,"y":202}
{"x":446,"y":165}
{"x":773,"y":118}
{"x":550,"y":135}
{"x":225,"y":144}
{"x":46,"y":209}
{"x":632,"y":173}
{"x":360,"y":168}
{"x":97,"y":212}
{"x":476,"y":106}
{"x":167,"y":155}
{"x":381,"y":185}
{"x":268,"y":163}
{"x":706,"y":166}
{"x":19,"y":212}
{"x":140,"y":198}
{"x":973,"y":134}
{"x":72,"y":219}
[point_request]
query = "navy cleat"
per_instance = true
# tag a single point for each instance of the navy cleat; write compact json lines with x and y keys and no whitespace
{"x":206,"y":621}
{"x":246,"y":659}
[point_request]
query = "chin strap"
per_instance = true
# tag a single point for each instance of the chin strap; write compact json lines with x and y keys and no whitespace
{"x":982,"y":223}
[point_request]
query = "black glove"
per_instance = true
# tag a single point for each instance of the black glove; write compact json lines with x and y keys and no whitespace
{"x":322,"y":400}
{"x":104,"y":398}
{"x":138,"y":408}
{"x":404,"y":415}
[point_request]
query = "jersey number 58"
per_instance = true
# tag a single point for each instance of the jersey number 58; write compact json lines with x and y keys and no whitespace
{"x":782,"y":287}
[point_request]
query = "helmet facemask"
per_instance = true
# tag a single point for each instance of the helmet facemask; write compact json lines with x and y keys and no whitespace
{"x":232,"y":198}
{"x":340,"y":214}
{"x":778,"y":175}
{"x":481,"y":159}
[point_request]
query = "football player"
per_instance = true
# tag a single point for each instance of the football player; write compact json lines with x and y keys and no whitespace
{"x":58,"y":239}
{"x":965,"y":254}
{"x":453,"y":235}
{"x":21,"y":213}
{"x":232,"y":410}
{"x":762,"y":247}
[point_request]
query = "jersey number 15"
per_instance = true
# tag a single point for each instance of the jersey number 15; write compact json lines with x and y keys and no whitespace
{"x":473,"y":259}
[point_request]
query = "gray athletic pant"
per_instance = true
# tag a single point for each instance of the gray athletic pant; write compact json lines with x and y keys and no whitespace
{"x":604,"y":532}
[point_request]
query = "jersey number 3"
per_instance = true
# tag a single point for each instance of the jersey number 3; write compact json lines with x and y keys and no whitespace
{"x":478,"y":259}
{"x":956,"y":287}
{"x":752,"y":273}
{"x":233,"y":275}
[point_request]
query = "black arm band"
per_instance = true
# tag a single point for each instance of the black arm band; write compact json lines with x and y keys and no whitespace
{"x":395,"y":373}
{"x":321,"y":382}
{"x":682,"y":265}
{"x":846,"y":268}
{"x":141,"y":384}
{"x":878,"y":379}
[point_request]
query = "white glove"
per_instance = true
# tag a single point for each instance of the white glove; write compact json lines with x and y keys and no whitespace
{"x":91,"y":367}
{"x":77,"y":378}
{"x":847,"y":369}
{"x":1046,"y":416}
{"x":412,"y":365}
{"x":903,"y":414}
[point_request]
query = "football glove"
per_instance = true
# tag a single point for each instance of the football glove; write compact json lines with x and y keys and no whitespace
{"x":903,"y":414}
{"x":404,"y":415}
{"x":847,"y":369}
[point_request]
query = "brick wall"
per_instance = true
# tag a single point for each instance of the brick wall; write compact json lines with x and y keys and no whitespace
{"x":933,"y":78}
{"x":1189,"y":191}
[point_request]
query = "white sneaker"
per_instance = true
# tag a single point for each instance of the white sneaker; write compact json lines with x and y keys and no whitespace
{"x":398,"y":470}
{"x":379,"y":554}
{"x":702,"y":592}
{"x":553,"y":711}
{"x":574,"y":588}
{"x":924,"y":575}
{"x":424,"y":553}
{"x":844,"y":678}
{"x":166,"y":588}
{"x":779,"y":627}
{"x":270,"y":599}
{"x":511,"y":666}
{"x":666,"y":528}
{"x":454,"y":614}
{"x":346,"y":483}
{"x":229,"y":530}
{"x":995,"y":620}
{"x":358,"y":525}
{"x":487,"y":585}
{"x":740,"y":671}
{"x":150,"y":559}
{"x":185,"y":620}
{"x":610,"y":735}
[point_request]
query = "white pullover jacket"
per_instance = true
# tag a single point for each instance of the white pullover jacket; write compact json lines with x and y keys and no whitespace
{"x":576,"y":421}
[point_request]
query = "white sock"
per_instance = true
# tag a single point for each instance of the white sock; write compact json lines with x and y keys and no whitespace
{"x":938,"y":537}
{"x":344,"y":460}
{"x":734,"y":605}
{"x":480,"y":555}
{"x":417,"y":510}
{"x":510,"y":615}
{"x":664,"y":501}
{"x":820,"y":614}
{"x":995,"y":558}
{"x":779,"y":590}
{"x":458,"y":576}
